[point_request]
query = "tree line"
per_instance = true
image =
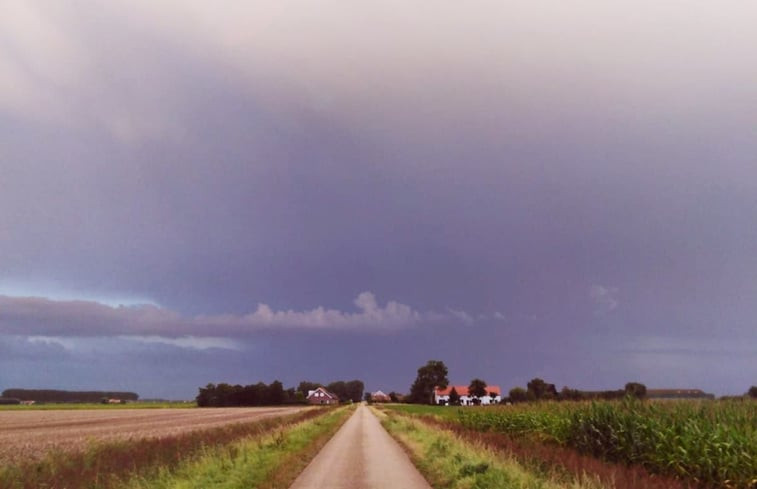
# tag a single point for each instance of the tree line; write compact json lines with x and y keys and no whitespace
{"x":539,"y":390}
{"x":50,"y":395}
{"x":351,"y":390}
{"x":273,"y":394}
{"x":434,"y":374}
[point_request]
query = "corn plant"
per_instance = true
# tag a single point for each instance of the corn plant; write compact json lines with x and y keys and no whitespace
{"x":713,"y":443}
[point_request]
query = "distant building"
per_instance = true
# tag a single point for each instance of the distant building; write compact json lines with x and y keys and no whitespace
{"x":379,"y":396}
{"x":322,"y":396}
{"x":678,"y":394}
{"x":441,"y":396}
{"x":28,"y":403}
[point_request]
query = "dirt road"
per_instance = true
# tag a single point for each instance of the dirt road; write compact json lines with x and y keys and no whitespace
{"x":27,"y":435}
{"x":361,"y":455}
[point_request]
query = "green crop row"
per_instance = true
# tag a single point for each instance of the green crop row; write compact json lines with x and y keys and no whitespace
{"x":713,"y":443}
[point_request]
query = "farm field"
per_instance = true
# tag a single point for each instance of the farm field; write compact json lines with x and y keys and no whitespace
{"x":27,"y":435}
{"x":69,"y":406}
{"x":712,"y":443}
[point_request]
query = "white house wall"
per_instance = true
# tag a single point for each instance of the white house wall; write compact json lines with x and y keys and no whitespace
{"x":466,"y":400}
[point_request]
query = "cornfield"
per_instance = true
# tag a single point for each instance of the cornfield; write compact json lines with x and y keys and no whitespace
{"x":710,"y":443}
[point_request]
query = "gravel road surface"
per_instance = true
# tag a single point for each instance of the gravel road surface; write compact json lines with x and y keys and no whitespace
{"x":361,"y":455}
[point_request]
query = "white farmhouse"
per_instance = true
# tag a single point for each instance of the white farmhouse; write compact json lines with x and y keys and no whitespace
{"x":441,"y":396}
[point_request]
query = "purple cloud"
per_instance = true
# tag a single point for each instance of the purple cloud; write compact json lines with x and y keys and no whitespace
{"x":605,"y":298}
{"x":34,"y":316}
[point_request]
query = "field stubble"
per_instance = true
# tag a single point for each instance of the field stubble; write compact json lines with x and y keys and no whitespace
{"x":30,"y":435}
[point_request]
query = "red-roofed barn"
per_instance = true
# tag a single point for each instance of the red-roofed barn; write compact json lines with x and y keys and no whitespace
{"x":322,"y":396}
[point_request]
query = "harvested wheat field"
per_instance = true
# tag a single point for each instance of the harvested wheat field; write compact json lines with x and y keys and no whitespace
{"x":29,"y":435}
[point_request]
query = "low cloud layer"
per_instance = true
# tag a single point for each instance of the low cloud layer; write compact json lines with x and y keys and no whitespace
{"x":35,"y":316}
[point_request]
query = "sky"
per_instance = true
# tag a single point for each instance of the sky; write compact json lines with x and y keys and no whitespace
{"x":195,"y":192}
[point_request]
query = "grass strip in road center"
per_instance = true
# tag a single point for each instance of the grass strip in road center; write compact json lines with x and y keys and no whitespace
{"x":271,"y":461}
{"x":449,"y":462}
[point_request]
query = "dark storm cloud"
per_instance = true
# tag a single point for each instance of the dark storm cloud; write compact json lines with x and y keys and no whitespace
{"x":585,"y":171}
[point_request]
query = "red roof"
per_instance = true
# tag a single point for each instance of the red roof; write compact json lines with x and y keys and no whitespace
{"x":462,"y":390}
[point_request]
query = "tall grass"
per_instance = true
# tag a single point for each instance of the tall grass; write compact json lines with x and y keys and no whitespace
{"x":711,"y":443}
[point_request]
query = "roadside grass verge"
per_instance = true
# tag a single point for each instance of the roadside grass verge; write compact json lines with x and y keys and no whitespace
{"x":108,"y":465}
{"x":271,"y":461}
{"x":440,"y":412}
{"x":450,"y":462}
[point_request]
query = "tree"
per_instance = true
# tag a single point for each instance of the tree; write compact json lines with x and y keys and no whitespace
{"x":394,"y":397}
{"x":477,"y":387}
{"x":307,"y":386}
{"x":290,"y":396}
{"x":368,"y":398}
{"x":204,"y":398}
{"x":431,"y":375}
{"x":354,"y":390}
{"x":541,"y":390}
{"x":635,"y":389}
{"x":753,"y":392}
{"x":276,"y":393}
{"x":568,"y":394}
{"x":259,"y":394}
{"x":518,"y":394}
{"x":47,"y":395}
{"x":223,"y":394}
{"x":340,"y":389}
{"x":454,"y":397}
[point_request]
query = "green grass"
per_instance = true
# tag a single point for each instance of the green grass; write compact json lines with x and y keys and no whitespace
{"x":271,"y":461}
{"x":448,"y":462}
{"x":709,"y":442}
{"x":440,"y":412}
{"x":76,"y":406}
